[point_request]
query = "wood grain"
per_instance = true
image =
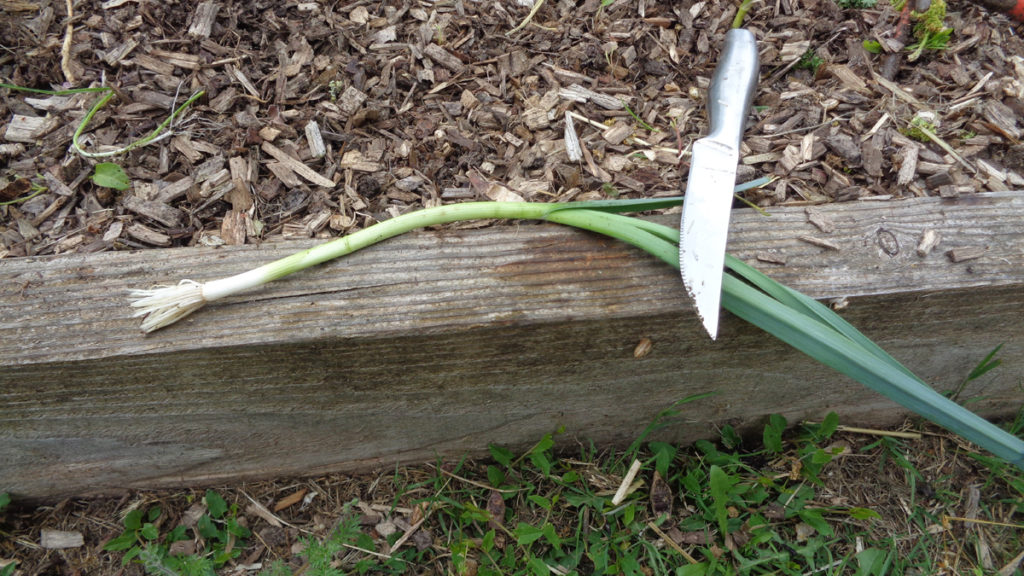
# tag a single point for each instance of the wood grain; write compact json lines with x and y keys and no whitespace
{"x":440,"y":342}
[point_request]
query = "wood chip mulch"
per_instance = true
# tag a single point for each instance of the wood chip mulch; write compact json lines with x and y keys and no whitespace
{"x":320,"y":118}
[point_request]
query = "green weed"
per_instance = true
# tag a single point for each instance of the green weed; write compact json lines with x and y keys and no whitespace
{"x":110,"y":175}
{"x":919,"y":129}
{"x":32,"y":188}
{"x":219,"y":535}
{"x":810,"y":61}
{"x":8,"y":570}
{"x":638,"y":119}
{"x":856,"y":4}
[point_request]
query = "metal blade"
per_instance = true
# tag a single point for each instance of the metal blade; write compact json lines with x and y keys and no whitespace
{"x":705,"y":222}
{"x":705,"y":226}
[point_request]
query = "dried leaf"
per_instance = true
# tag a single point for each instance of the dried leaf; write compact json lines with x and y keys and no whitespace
{"x":496,"y":508}
{"x":661,"y":497}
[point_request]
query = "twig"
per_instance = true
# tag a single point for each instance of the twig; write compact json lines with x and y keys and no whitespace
{"x":875,"y":432}
{"x":980,"y":521}
{"x":942,"y":144}
{"x":65,"y":50}
{"x":408,"y":534}
{"x":672,"y":543}
{"x":370,"y":552}
{"x":623,"y":490}
{"x":477,"y":484}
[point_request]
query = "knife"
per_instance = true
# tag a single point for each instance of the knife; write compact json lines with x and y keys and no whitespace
{"x":709,"y":189}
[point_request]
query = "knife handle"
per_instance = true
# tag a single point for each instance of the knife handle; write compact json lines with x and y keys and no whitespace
{"x":732,"y":87}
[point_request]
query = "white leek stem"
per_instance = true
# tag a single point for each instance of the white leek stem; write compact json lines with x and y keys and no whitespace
{"x":165,"y":305}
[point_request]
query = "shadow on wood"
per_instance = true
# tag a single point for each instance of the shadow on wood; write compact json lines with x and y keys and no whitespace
{"x":438,"y":343}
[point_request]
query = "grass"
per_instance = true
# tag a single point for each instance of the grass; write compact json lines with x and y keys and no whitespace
{"x":793,"y":500}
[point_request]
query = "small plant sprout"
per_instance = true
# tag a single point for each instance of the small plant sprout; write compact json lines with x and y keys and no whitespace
{"x":796,"y":319}
{"x":810,"y":61}
{"x":110,"y":175}
{"x":108,"y":93}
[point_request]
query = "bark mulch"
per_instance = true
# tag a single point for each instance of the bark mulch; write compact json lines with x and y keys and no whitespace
{"x":320,"y":118}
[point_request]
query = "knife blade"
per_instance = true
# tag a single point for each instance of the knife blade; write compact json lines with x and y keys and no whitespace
{"x":704,"y":225}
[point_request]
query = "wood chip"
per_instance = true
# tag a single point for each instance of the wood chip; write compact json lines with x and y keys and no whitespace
{"x":162,"y":213}
{"x":536,"y":118}
{"x":148,"y":235}
{"x":174,"y":190}
{"x":28,"y":129}
{"x":929,"y":240}
{"x":823,"y":222}
{"x":315,"y":140}
{"x":233,"y":227}
{"x":937,"y":179}
{"x":244,"y":80}
{"x":617,"y":133}
{"x":1002,"y":118}
{"x":179,"y":59}
{"x":771,"y":257}
{"x":966,"y":253}
{"x":848,"y":77}
{"x":285,"y":174}
{"x":443,"y":57}
{"x":794,"y":50}
{"x":908,"y":169}
{"x":154,"y":64}
{"x":820,"y":242}
{"x":572,"y":141}
{"x":51,"y":539}
{"x":354,"y":160}
{"x":120,"y":52}
{"x":56,"y":185}
{"x":297,"y":166}
{"x":351,"y":100}
{"x":203,"y":18}
{"x":578,"y":93}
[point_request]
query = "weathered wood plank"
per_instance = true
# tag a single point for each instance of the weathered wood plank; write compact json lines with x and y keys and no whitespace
{"x":440,"y":342}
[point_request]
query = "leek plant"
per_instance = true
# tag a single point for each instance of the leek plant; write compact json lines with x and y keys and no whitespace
{"x":790,"y":316}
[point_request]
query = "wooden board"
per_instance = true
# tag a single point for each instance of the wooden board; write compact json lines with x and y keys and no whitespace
{"x":441,"y":342}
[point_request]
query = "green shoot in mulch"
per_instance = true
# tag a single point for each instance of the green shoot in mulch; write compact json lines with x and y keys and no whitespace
{"x":810,"y":61}
{"x":930,"y":31}
{"x":110,"y":175}
{"x":108,"y":94}
{"x":856,"y":4}
{"x":218,"y":535}
{"x":34,"y":189}
{"x":106,"y":174}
